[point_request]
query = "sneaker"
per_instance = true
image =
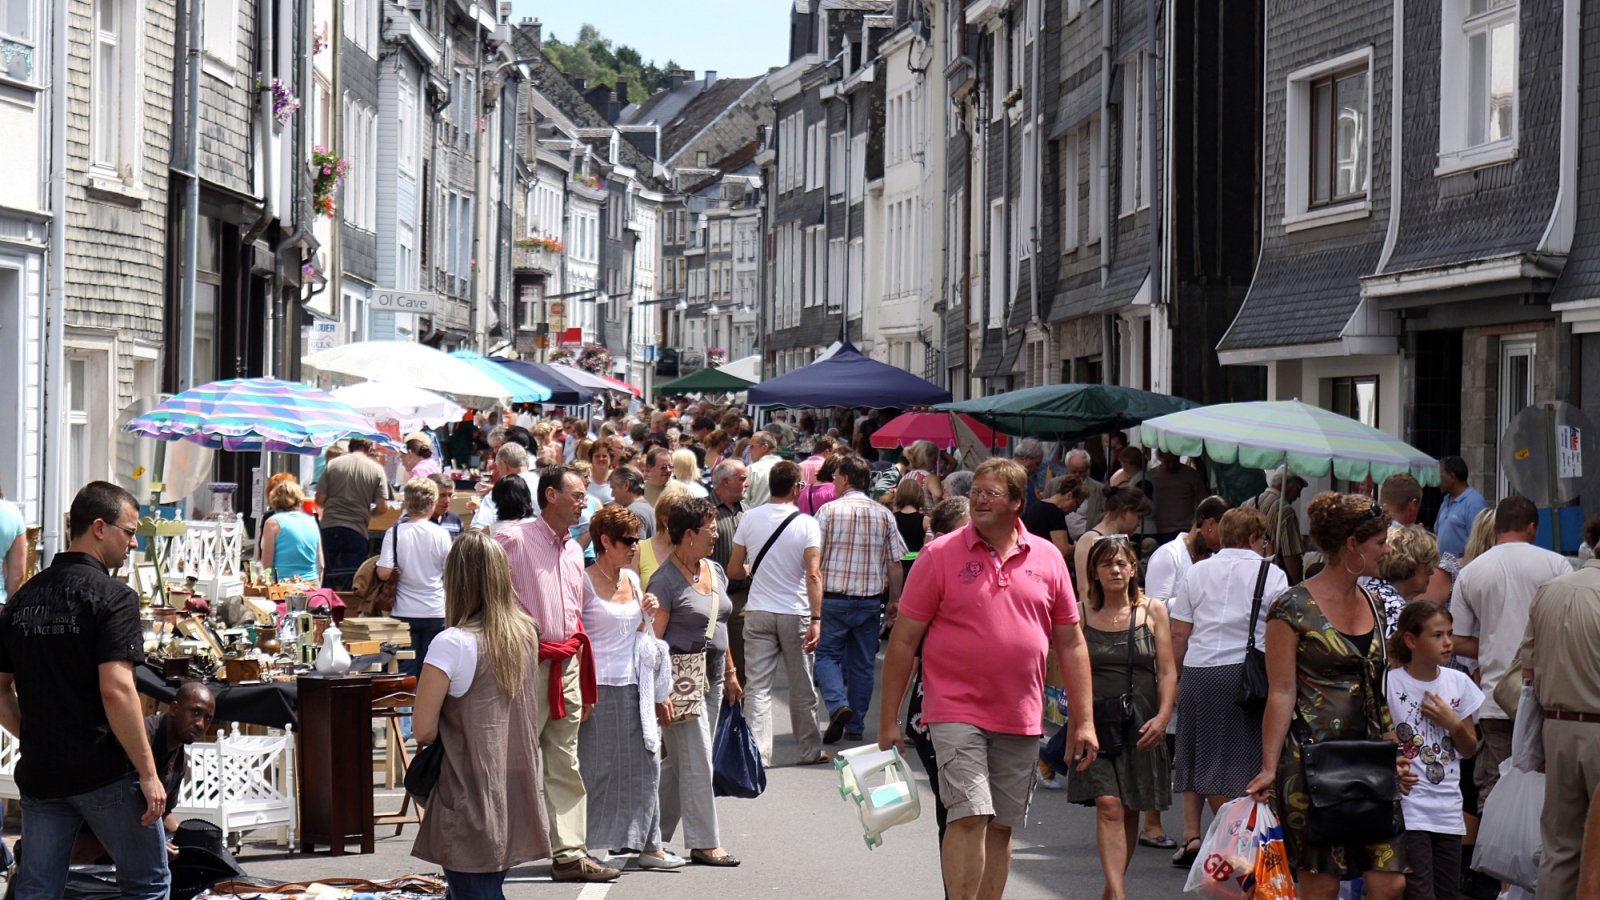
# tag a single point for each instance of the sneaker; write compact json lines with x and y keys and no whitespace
{"x":1054,"y":782}
{"x":582,"y":869}
{"x":836,"y":724}
{"x":669,"y":861}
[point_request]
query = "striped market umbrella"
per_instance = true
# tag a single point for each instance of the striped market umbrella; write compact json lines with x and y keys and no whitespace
{"x":1267,"y":434}
{"x":256,"y":414}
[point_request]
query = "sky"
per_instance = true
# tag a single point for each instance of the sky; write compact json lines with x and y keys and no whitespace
{"x":736,"y":38}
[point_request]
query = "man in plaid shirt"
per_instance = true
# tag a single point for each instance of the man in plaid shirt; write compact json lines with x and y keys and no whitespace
{"x":861,"y":551}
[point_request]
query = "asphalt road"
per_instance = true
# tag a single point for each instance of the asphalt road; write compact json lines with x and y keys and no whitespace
{"x":798,"y":839}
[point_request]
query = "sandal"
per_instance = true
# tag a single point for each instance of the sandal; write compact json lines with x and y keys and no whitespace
{"x":1164,"y":842}
{"x":1185,"y":857}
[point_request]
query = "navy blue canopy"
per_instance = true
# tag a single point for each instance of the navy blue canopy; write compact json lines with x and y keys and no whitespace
{"x":847,"y":378}
{"x":563,"y":390}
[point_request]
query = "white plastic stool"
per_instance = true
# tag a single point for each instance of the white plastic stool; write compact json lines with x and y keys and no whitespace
{"x":882,"y":787}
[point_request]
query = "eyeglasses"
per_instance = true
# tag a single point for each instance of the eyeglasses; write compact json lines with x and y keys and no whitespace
{"x":1373,"y":512}
{"x":1113,"y":538}
{"x":131,"y":532}
{"x":991,"y":496}
{"x":628,"y":541}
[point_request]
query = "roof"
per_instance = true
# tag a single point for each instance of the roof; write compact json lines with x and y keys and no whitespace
{"x":704,"y":109}
{"x":1301,"y":298}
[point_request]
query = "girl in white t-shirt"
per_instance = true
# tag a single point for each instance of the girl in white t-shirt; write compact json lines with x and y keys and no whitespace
{"x":1432,"y":708}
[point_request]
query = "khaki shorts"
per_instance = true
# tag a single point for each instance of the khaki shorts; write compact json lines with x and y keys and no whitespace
{"x":985,"y":773}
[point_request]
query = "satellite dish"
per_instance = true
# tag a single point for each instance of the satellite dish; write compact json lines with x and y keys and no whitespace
{"x":1546,"y":451}
{"x":187,"y":466}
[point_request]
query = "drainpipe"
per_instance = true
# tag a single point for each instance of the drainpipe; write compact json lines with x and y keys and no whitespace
{"x":1038,"y":167}
{"x":480,"y":182}
{"x":1005,"y":227}
{"x":191,"y":202}
{"x":334,"y":277}
{"x":267,"y":163}
{"x":1156,"y":204}
{"x":1105,"y":154}
{"x":53,"y":459}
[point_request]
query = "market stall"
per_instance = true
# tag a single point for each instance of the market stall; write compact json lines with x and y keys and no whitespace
{"x":409,"y":363}
{"x":847,"y":378}
{"x":703,"y":381}
{"x":1067,"y":412}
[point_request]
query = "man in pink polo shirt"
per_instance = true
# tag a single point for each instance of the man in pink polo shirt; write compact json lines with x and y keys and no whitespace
{"x":990,"y":598}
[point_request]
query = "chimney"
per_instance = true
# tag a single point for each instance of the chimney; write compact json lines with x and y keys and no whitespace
{"x":622,"y":90}
{"x":534,"y":30}
{"x":711,"y":78}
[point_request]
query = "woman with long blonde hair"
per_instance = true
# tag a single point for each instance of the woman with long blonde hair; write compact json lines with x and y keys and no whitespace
{"x":479,"y":695}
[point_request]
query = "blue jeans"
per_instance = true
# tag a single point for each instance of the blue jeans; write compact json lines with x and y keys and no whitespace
{"x":50,"y":827}
{"x":423,"y":631}
{"x":343,"y":551}
{"x":847,"y":655}
{"x":475,"y":885}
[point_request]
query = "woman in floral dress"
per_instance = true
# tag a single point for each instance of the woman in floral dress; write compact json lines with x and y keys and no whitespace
{"x":1325,"y":664}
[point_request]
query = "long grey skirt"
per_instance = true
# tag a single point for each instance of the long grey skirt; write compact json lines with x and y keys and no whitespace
{"x":1219,"y":744}
{"x":621,"y":777}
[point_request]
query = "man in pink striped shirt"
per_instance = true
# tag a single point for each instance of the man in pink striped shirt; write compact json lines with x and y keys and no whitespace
{"x":547,"y":576}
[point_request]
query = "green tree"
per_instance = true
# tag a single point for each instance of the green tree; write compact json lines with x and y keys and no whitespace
{"x":591,"y":57}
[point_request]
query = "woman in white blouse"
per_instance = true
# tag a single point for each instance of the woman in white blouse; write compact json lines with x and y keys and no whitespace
{"x":618,"y":742}
{"x":1219,"y":744}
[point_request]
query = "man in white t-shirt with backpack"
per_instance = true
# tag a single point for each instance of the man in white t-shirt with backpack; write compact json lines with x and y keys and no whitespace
{"x":779,"y":548}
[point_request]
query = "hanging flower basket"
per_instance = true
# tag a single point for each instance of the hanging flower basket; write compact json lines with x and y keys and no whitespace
{"x":716,"y":356}
{"x":284,"y":103}
{"x":550,"y":245}
{"x":563,"y":356}
{"x":592,"y":182}
{"x":319,"y":39}
{"x":328,"y":169}
{"x":595,"y":358}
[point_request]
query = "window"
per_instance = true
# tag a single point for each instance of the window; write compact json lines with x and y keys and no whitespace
{"x":814,"y":153}
{"x":836,"y":164}
{"x":836,"y":274}
{"x":1000,"y":76}
{"x":105,"y":111}
{"x":79,"y":445}
{"x":1328,"y":142}
{"x":221,"y":27}
{"x":1068,"y":178}
{"x":1516,"y":387}
{"x":529,"y":302}
{"x":952,"y":230}
{"x":854,"y":280}
{"x":1339,"y":132}
{"x":1135,"y":175}
{"x":1022,"y":235}
{"x":858,"y":166}
{"x":361,"y":23}
{"x":208,"y":282}
{"x":817,"y":248}
{"x":406,"y":124}
{"x":1097,"y":185}
{"x":360,"y":189}
{"x":1478,"y":87}
{"x":997,"y":263}
{"x":16,"y":20}
{"x":1357,"y":397}
{"x":405,"y":276}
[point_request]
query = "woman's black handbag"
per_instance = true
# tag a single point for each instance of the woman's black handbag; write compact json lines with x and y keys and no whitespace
{"x":423,"y":773}
{"x":1113,"y":715}
{"x":1353,"y":784}
{"x":1251,"y":695}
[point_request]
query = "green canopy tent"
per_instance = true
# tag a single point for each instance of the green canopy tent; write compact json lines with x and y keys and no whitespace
{"x":703,"y":381}
{"x":1068,"y":412}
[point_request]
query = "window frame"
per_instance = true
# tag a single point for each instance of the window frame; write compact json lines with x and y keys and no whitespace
{"x":1458,"y":25}
{"x":1298,"y":213}
{"x":1331,"y":79}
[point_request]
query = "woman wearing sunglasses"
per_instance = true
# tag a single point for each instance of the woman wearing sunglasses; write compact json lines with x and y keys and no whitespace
{"x":616,"y":744}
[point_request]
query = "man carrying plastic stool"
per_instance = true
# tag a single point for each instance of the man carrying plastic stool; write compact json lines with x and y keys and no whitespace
{"x":997,"y":597}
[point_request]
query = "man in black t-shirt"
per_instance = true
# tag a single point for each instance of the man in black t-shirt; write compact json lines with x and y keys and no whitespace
{"x":69,"y":640}
{"x":1048,"y":517}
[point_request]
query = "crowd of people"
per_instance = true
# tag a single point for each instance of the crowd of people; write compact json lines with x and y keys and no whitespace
{"x":613,"y":582}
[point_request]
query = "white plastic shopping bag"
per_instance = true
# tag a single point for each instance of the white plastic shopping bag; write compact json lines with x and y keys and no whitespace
{"x":1509,"y":844}
{"x":1226,"y":866}
{"x":1527,"y":735}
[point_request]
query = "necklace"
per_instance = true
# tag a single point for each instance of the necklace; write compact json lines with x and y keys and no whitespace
{"x":694,"y":575}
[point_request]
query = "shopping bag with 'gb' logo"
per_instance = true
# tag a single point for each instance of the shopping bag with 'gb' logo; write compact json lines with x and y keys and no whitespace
{"x":1226,"y":866}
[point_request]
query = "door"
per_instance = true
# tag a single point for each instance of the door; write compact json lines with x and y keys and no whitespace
{"x":1516,"y":394}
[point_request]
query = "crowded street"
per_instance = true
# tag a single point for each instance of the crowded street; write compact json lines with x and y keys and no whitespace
{"x":902,"y":449}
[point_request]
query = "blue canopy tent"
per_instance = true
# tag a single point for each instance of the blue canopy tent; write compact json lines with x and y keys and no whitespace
{"x":563,"y":390}
{"x":847,"y":378}
{"x":521,"y":388}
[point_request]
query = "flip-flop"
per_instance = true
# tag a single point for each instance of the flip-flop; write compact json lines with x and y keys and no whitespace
{"x":1185,"y":857}
{"x":1164,"y":842}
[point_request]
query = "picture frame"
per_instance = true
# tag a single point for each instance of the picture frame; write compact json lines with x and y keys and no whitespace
{"x":147,"y":580}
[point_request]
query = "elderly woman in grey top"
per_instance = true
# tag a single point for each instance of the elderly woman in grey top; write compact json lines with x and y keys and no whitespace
{"x":693,"y":595}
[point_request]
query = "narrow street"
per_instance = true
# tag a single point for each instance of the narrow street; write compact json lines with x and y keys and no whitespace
{"x":800,"y":832}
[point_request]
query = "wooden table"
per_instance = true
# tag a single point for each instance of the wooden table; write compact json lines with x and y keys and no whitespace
{"x":335,"y":762}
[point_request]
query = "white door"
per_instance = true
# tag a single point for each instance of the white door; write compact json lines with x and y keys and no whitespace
{"x":1516,"y":392}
